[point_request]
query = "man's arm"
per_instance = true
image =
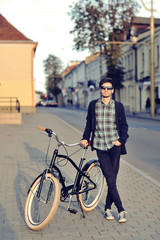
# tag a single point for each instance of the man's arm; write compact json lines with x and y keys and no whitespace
{"x":123,"y":127}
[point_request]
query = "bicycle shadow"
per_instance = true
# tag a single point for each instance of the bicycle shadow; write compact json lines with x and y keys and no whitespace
{"x":27,"y":172}
{"x":21,"y":186}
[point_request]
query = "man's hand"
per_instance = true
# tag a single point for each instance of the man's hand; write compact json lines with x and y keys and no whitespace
{"x":116,"y":143}
{"x":84,"y":143}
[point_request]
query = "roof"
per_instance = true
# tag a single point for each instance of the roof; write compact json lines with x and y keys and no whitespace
{"x":9,"y":33}
{"x":92,"y":57}
{"x":67,"y":70}
{"x":145,"y":21}
{"x":88,"y":59}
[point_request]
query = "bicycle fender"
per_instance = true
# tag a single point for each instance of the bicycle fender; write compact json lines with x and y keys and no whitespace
{"x":46,"y":170}
{"x":86,"y":166}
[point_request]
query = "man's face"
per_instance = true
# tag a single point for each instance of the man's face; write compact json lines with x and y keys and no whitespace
{"x":106,"y":90}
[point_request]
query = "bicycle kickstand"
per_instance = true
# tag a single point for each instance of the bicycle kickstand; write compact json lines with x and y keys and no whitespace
{"x":71,"y":210}
{"x":80,"y":206}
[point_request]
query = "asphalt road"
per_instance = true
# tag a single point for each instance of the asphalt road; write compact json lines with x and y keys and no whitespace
{"x":142,"y":146}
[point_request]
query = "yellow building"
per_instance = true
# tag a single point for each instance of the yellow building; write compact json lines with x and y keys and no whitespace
{"x":16,"y":70}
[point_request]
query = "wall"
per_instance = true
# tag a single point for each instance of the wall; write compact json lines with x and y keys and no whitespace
{"x":16,"y":75}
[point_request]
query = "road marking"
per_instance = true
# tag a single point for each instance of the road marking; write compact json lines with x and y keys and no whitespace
{"x":69,"y":125}
{"x":125,"y":162}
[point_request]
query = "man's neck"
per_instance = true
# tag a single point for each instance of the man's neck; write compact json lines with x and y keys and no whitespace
{"x":106,"y":100}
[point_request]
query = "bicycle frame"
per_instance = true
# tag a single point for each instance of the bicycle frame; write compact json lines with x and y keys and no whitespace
{"x":75,"y":186}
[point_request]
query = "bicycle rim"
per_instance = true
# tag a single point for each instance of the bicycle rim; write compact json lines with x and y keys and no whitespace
{"x":39,"y":212}
{"x":90,"y":198}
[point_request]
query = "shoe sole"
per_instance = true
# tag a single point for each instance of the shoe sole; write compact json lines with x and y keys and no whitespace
{"x":122,"y":221}
{"x":109,"y":218}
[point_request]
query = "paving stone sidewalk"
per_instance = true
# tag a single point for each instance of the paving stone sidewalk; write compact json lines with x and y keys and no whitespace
{"x":22,"y":156}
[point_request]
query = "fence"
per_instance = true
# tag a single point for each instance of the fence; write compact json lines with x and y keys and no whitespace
{"x":9,"y":104}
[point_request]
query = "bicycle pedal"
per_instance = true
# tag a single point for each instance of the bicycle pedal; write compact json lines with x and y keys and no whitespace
{"x":71,"y":210}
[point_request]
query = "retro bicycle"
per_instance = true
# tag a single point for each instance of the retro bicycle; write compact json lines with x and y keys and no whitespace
{"x":49,"y":188}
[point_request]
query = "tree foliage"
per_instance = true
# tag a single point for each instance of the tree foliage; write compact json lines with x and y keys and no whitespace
{"x":52,"y":68}
{"x":95,"y":21}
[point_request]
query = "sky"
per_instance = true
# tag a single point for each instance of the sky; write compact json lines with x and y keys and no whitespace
{"x":47,"y":22}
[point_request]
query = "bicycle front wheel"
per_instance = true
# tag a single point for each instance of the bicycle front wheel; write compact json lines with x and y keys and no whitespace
{"x":40,"y":211}
{"x":90,"y":198}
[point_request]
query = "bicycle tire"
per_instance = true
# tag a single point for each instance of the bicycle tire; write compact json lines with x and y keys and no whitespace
{"x":90,"y":199}
{"x":39,"y":212}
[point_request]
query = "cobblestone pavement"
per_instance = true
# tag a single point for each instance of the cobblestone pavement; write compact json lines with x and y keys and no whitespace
{"x":23,"y":151}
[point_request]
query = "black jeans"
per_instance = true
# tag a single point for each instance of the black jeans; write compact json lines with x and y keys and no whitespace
{"x":109,"y":162}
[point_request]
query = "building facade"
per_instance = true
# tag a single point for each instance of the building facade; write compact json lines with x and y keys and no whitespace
{"x":81,"y":83}
{"x":16,"y":75}
{"x":136,"y":61}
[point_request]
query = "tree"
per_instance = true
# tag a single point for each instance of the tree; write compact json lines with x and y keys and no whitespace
{"x":52,"y":68}
{"x":117,"y":74}
{"x":96,"y":23}
{"x":89,"y":24}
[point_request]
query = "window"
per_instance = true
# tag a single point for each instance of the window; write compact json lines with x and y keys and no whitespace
{"x":143,"y":61}
{"x":157,"y":55}
{"x":129,"y":94}
{"x":128,"y":62}
{"x":149,"y":60}
{"x":125,"y":62}
{"x":124,"y":94}
{"x":131,"y":60}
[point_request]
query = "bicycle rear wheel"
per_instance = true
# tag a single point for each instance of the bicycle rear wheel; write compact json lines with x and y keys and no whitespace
{"x":90,"y":198}
{"x":40,"y":211}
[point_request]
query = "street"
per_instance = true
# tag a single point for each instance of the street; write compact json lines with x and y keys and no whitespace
{"x":143,"y":143}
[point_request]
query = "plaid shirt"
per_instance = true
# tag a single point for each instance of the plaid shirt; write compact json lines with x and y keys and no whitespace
{"x":105,"y":132}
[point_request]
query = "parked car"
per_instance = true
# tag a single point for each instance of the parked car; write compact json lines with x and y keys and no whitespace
{"x":51,"y":103}
{"x":39,"y":104}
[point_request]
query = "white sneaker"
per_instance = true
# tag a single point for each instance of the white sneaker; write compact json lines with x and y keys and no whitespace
{"x":108,"y":215}
{"x":122,"y":218}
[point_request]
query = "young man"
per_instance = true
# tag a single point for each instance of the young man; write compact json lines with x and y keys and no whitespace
{"x":106,"y":124}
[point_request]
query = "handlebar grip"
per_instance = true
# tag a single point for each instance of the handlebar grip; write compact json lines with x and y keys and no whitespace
{"x":41,"y":128}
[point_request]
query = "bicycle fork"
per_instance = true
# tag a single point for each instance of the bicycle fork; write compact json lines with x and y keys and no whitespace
{"x":43,"y":178}
{"x":41,"y":185}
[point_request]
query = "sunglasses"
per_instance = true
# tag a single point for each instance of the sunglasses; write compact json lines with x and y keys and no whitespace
{"x":108,"y":88}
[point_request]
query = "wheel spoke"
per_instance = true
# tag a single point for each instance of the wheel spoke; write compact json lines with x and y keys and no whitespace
{"x":90,"y":198}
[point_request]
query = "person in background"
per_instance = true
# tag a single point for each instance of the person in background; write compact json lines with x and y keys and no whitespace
{"x":157,"y":102}
{"x":148,"y":105}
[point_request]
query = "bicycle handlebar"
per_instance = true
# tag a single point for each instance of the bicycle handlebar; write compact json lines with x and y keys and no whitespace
{"x":41,"y":128}
{"x":50,"y":133}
